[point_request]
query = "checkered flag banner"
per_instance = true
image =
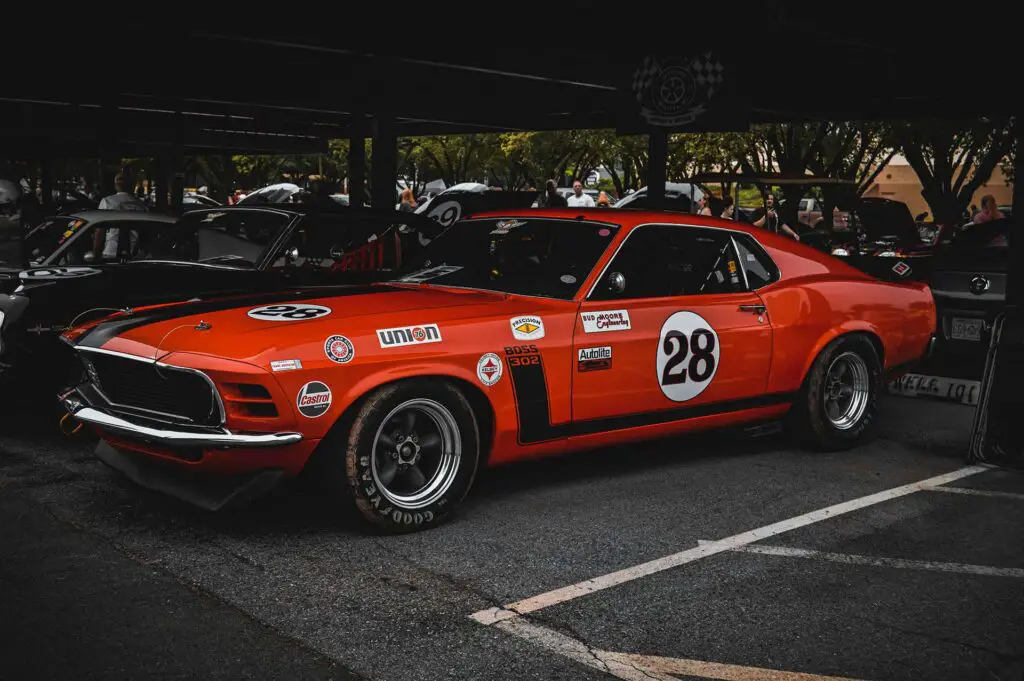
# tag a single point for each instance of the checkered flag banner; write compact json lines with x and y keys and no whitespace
{"x":707,"y":71}
{"x":644,"y":76}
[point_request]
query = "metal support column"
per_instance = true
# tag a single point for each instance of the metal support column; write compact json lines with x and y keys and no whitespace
{"x":178,"y":166}
{"x":657,"y":167}
{"x":385,"y":162}
{"x":163,"y":173}
{"x":357,"y":162}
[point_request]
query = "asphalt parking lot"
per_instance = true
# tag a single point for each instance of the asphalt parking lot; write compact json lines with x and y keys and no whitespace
{"x":719,"y":556}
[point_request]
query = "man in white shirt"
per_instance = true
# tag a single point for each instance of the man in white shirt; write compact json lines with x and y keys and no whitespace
{"x":578,"y":198}
{"x":105,"y":240}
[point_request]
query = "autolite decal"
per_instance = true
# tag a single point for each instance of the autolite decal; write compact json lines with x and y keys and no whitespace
{"x":605,"y":320}
{"x":595,"y":359}
{"x":409,"y":335}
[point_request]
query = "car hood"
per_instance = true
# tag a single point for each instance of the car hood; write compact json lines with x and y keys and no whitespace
{"x":884,"y":220}
{"x":225,"y":328}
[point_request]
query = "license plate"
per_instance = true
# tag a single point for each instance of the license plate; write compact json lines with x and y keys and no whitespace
{"x":955,"y":389}
{"x":966,"y":329}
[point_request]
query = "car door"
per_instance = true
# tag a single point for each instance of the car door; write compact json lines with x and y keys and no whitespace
{"x":671,"y":324}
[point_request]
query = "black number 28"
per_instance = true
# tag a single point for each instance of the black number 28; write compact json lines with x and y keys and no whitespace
{"x":680,"y":348}
{"x":289,"y":312}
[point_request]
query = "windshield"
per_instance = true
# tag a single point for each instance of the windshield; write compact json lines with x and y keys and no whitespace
{"x":230,"y":237}
{"x":525,"y":256}
{"x":46,"y":238}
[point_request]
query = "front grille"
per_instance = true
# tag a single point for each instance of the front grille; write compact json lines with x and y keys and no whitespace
{"x":140,"y":385}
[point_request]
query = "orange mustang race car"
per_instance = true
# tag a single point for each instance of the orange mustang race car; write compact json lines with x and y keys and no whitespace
{"x":512,"y":336}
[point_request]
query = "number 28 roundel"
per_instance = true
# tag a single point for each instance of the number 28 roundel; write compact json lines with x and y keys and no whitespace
{"x":687,"y":356}
{"x":288,"y":313}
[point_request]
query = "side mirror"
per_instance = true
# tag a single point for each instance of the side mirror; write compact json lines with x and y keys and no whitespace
{"x":291,"y":255}
{"x":616,"y":283}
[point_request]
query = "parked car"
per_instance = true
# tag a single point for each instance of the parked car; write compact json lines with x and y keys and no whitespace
{"x":969,"y":285}
{"x":678,"y":196}
{"x":206,"y":252}
{"x":513,"y":335}
{"x":884,"y":240}
{"x":810,"y":213}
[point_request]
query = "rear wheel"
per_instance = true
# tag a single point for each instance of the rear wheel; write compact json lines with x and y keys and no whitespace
{"x":838,"y":403}
{"x":412,"y":454}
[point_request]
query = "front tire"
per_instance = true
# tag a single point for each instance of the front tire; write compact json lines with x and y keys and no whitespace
{"x":838,"y":403}
{"x":412,"y":454}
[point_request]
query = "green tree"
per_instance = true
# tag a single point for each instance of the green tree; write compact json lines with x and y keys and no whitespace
{"x":856,"y":151}
{"x":953,"y":159}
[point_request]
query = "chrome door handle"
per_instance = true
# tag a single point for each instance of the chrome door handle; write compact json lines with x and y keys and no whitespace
{"x":756,"y":309}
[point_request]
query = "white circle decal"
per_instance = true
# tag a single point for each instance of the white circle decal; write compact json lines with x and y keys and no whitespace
{"x":288,"y":313}
{"x":446,"y":213}
{"x":51,"y":273}
{"x":687,"y":356}
{"x":489,"y":369}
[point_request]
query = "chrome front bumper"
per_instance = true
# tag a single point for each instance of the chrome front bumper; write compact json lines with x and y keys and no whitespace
{"x":219,"y":437}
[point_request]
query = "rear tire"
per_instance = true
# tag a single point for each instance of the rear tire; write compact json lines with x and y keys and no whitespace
{"x":838,"y":403}
{"x":411,"y":454}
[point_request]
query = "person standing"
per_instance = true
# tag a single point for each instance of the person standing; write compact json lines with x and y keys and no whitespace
{"x":728,"y":207}
{"x":603,"y":201}
{"x":989,"y":210}
{"x":578,"y":198}
{"x":407,"y":204}
{"x":551,"y":198}
{"x":771,"y":221}
{"x":105,"y":241}
{"x":702,"y":206}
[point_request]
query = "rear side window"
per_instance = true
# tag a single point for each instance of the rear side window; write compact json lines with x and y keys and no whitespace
{"x":760,"y":269}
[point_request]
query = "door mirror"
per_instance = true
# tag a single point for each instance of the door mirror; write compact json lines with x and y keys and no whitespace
{"x":291,"y":255}
{"x":616,"y":283}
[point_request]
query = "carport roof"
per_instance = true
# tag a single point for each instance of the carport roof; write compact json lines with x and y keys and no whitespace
{"x":286,"y":86}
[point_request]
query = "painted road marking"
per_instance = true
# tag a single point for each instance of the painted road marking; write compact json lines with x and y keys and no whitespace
{"x":977,"y":492}
{"x":492,"y":616}
{"x":645,"y":667}
{"x":881,"y":561}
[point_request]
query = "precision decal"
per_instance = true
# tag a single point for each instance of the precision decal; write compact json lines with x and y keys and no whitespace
{"x":314,"y":399}
{"x":528,"y":327}
{"x":409,"y":335}
{"x":489,"y":369}
{"x":595,"y":359}
{"x":288,"y":313}
{"x":285,"y":365}
{"x":605,"y":320}
{"x":339,"y":349}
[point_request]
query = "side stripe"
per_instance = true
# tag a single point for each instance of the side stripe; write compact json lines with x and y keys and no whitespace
{"x":530,"y":391}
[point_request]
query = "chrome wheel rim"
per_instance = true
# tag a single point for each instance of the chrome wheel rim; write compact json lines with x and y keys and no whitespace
{"x":846,"y":391}
{"x":416,"y":453}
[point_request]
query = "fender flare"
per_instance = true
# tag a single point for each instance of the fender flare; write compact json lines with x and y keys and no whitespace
{"x":845,"y":329}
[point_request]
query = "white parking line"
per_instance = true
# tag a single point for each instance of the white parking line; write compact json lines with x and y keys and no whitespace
{"x":881,"y":561}
{"x":977,"y":492}
{"x":633,"y":667}
{"x":492,"y":616}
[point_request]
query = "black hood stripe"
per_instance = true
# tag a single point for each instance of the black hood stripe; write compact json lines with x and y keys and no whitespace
{"x":98,"y":336}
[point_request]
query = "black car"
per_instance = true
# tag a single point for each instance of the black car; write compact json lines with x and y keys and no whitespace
{"x":883,"y":240}
{"x":206,"y":253}
{"x":969,"y":285}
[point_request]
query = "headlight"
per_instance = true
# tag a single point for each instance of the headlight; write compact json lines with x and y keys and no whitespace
{"x":841,"y":252}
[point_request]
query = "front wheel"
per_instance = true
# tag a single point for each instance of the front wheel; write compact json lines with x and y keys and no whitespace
{"x":838,"y":403}
{"x":412,"y":454}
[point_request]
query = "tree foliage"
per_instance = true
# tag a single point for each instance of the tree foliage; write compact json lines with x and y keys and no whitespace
{"x":953,"y":159}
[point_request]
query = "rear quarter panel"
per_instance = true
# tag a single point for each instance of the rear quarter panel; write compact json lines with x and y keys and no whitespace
{"x":820,"y":298}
